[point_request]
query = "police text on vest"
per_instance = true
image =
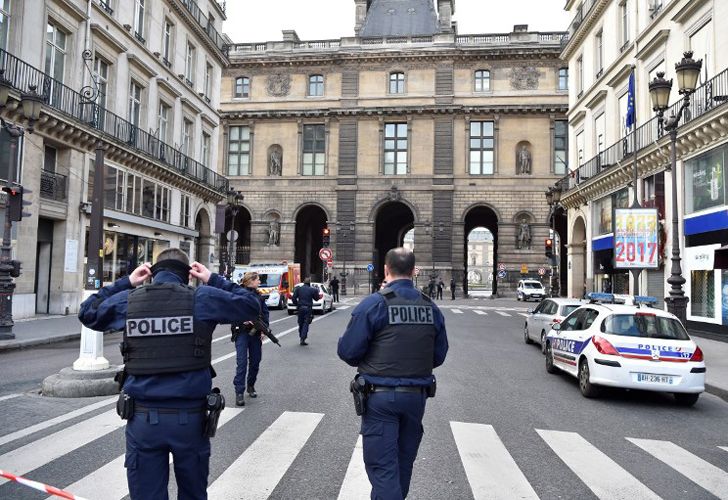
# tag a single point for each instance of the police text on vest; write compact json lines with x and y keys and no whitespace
{"x":146,"y":327}
{"x":410,"y":315}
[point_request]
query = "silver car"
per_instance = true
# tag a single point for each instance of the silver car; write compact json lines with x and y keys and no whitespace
{"x":546,"y":314}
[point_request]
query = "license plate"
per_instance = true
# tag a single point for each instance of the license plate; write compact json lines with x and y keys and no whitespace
{"x":655,"y":379}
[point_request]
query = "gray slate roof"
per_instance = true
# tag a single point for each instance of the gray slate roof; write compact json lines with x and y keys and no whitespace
{"x":400,"y":18}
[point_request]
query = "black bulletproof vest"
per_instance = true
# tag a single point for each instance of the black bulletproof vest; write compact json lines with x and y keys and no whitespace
{"x":406,"y":346}
{"x":161,"y":334}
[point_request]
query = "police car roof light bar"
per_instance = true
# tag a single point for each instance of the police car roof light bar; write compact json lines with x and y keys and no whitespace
{"x":644,"y":300}
{"x":607,"y":298}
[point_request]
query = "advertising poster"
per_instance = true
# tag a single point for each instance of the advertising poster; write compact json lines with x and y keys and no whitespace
{"x":636,"y":238}
{"x":724,"y":284}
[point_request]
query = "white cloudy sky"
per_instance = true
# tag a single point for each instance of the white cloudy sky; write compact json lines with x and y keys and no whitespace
{"x":258,"y":21}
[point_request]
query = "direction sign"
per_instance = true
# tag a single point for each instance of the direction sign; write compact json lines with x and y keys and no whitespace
{"x":501,"y":267}
{"x":541,"y":271}
{"x":502,"y":274}
{"x":417,"y":271}
{"x":325,"y":254}
{"x":370,"y":267}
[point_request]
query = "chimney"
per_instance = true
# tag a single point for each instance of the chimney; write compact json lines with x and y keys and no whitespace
{"x":445,"y":11}
{"x":362,"y":7}
{"x":290,"y":36}
{"x":520,"y":28}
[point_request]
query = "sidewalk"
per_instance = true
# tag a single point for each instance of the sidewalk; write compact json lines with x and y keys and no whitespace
{"x":42,"y":330}
{"x":716,"y":361}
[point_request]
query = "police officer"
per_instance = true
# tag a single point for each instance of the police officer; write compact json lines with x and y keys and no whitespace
{"x":395,"y":338}
{"x":248,"y":345}
{"x":303,"y":297}
{"x":334,"y":284}
{"x":166,"y":346}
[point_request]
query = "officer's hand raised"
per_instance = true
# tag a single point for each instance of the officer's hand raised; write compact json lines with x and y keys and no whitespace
{"x":200,"y":272}
{"x":140,"y":274}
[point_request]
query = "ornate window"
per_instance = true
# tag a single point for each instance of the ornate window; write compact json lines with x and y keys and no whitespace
{"x":314,"y":149}
{"x":242,"y":87}
{"x":482,"y":147}
{"x":563,"y":79}
{"x":482,"y":80}
{"x":239,"y":151}
{"x":395,"y":149}
{"x":316,"y":85}
{"x":396,"y":83}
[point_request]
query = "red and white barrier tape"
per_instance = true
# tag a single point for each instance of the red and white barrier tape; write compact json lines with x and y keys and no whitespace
{"x":39,"y":486}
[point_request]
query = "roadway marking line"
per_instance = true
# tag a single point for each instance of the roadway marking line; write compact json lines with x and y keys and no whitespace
{"x":109,"y":481}
{"x":524,"y":315}
{"x":343,"y":308}
{"x":724,"y":448}
{"x":601,"y":474}
{"x":57,"y":420}
{"x":704,"y":474}
{"x":503,"y":314}
{"x":482,"y":313}
{"x":255,"y":474}
{"x":38,"y":453}
{"x":456,"y":311}
{"x":491,"y":470}
{"x":9,"y":396}
{"x":356,"y":485}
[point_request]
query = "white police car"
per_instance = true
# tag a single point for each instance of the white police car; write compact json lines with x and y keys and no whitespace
{"x":630,"y":346}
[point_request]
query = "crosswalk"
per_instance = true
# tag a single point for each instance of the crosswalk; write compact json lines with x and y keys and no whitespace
{"x":490,"y":468}
{"x":505,"y":312}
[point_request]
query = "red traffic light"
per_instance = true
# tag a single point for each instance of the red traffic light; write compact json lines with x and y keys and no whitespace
{"x":327,"y":231}
{"x":549,"y":242}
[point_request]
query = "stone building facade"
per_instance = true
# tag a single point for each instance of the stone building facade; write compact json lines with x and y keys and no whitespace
{"x":373,"y":136}
{"x":138,"y":77}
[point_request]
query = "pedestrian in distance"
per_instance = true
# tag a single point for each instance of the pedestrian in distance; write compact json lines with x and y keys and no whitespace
{"x":395,"y":338}
{"x":452,"y":287}
{"x":303,"y":298}
{"x":334,"y":284}
{"x":432,"y":287}
{"x":248,"y":344}
{"x":167,"y":396}
{"x":440,"y":287}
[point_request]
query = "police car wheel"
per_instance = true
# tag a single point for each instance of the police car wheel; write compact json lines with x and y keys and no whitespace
{"x":518,"y":297}
{"x":526,"y":338}
{"x":588,"y":390}
{"x":543,"y":341}
{"x":550,"y":368}
{"x":686,"y":399}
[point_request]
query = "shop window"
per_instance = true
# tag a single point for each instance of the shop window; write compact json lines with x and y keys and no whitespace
{"x":705,"y":181}
{"x":702,"y":293}
{"x":602,"y":215}
{"x":110,"y":187}
{"x":148,"y":199}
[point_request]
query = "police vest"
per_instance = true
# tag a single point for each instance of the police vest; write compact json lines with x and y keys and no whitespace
{"x":161,"y":334}
{"x":406,"y":346}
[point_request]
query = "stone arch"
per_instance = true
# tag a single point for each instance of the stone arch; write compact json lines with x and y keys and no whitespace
{"x":524,"y":214}
{"x":310,"y":203}
{"x":376,"y":207}
{"x":204,"y":241}
{"x":477,"y":204}
{"x":576,"y":249}
{"x":481,"y":215}
{"x":310,"y":218}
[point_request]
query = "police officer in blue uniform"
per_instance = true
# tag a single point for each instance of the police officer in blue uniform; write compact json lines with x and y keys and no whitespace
{"x":303,"y":297}
{"x":167,"y":378}
{"x":395,"y":338}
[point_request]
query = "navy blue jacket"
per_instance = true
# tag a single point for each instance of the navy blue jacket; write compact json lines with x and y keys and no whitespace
{"x":221,"y":301}
{"x":369,"y":317}
{"x":304,"y":296}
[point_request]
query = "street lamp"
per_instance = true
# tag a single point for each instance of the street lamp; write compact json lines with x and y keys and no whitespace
{"x":346,"y":231}
{"x":688,"y":72}
{"x":553,"y":198}
{"x":234,"y":200}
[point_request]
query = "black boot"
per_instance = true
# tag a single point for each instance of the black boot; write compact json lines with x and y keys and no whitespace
{"x":240,"y":399}
{"x":303,"y":342}
{"x":251,"y":391}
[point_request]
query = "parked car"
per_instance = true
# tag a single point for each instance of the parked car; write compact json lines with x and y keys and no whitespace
{"x":628,"y":346}
{"x":530,"y":290}
{"x":548,"y":313}
{"x":322,"y":305}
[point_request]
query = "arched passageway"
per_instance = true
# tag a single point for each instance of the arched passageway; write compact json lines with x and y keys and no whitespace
{"x":577,"y":259}
{"x":481,"y":217}
{"x":561,"y":226}
{"x":310,"y":223}
{"x":203,"y":240}
{"x":480,"y":249}
{"x":394,"y":220}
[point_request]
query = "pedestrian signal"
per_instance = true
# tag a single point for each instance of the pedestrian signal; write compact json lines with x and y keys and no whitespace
{"x":549,"y":247}
{"x":326,"y":237}
{"x":15,"y":202}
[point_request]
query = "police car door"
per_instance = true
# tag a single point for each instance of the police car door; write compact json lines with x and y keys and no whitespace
{"x":564,"y":343}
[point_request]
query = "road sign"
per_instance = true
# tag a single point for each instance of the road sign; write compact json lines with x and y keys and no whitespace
{"x":417,"y":271}
{"x":502,"y":274}
{"x":232,"y":235}
{"x":541,"y":271}
{"x":370,"y":267}
{"x":524,"y":268}
{"x":325,"y":254}
{"x":330,"y":263}
{"x":501,"y":267}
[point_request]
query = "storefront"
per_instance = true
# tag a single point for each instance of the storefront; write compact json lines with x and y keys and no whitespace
{"x":124,"y":252}
{"x":606,"y":278}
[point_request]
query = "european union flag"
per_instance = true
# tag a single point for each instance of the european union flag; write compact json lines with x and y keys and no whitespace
{"x":630,"y":102}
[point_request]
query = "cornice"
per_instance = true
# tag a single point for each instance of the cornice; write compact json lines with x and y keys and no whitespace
{"x":107,"y":37}
{"x":598,"y":97}
{"x":208,"y":120}
{"x":186,"y":102}
{"x":72,"y":9}
{"x":587,"y":24}
{"x":137,"y":63}
{"x":658,"y":40}
{"x":164,"y":83}
{"x":688,"y":10}
{"x":620,"y":75}
{"x":202,"y":36}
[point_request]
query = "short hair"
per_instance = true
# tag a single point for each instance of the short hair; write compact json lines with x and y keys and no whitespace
{"x":400,"y":261}
{"x":307,"y":281}
{"x":173,"y":254}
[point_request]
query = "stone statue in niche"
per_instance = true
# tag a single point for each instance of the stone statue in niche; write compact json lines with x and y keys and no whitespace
{"x":523,"y":161}
{"x":274,"y":233}
{"x":275,"y":160}
{"x":523,"y":240}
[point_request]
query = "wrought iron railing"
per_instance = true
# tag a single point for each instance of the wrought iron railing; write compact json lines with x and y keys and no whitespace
{"x":67,"y":101}
{"x":205,"y":23}
{"x":710,"y":95}
{"x":52,"y":186}
{"x":105,"y":5}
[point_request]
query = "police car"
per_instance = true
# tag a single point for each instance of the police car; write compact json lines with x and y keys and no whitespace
{"x":630,"y":345}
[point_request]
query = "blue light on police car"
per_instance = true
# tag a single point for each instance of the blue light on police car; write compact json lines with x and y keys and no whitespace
{"x":644,"y":299}
{"x":601,"y":297}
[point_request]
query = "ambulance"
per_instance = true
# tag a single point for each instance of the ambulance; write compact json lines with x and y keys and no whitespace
{"x":276,"y":281}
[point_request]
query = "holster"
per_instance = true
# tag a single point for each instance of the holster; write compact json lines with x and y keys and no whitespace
{"x":431,"y":389}
{"x":215,"y":405}
{"x":235,"y":329}
{"x":120,"y":378}
{"x":125,"y":406}
{"x":359,"y":390}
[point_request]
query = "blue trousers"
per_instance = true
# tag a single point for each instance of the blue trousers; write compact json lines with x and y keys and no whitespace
{"x":303,"y":313}
{"x":247,"y":348}
{"x":391,"y":430}
{"x":150,"y":438}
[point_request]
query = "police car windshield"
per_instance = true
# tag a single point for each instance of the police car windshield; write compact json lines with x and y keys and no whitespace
{"x":532,"y":285}
{"x":270,"y":280}
{"x":569,"y":309}
{"x":644,"y":325}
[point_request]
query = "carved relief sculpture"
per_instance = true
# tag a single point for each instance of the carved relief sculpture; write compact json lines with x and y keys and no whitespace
{"x":274,"y":233}
{"x":525,"y":78}
{"x":523,"y":161}
{"x":275,"y":160}
{"x":278,"y":85}
{"x":523,"y":240}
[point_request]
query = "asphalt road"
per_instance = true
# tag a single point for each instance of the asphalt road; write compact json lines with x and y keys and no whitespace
{"x":558,"y":441}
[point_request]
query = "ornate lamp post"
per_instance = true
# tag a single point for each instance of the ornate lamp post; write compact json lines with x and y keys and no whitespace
{"x":553,"y":197}
{"x":234,"y":200}
{"x":688,"y":72}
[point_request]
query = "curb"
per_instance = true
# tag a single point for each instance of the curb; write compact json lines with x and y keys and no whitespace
{"x":14,"y":345}
{"x":717,"y":391}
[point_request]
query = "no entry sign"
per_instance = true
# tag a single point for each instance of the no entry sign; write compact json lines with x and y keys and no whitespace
{"x":325,"y":254}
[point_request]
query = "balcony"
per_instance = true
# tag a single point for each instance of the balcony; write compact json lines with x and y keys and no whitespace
{"x":52,"y":186}
{"x":103,"y":122}
{"x":204,"y":23}
{"x":105,"y":5}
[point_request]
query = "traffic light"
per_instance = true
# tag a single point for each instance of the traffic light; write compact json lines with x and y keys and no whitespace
{"x":326,"y":237}
{"x":16,"y":203}
{"x":549,"y":247}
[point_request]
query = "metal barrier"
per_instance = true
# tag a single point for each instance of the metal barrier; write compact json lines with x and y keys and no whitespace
{"x":52,"y":186}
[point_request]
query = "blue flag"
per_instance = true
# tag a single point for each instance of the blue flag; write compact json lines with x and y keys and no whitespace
{"x":630,"y":103}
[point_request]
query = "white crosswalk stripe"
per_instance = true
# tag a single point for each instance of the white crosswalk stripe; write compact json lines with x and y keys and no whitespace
{"x":482,"y":313}
{"x":696,"y":469}
{"x":599,"y":472}
{"x":503,"y":313}
{"x":356,"y":483}
{"x":256,"y":473}
{"x":109,"y":482}
{"x":343,"y":308}
{"x":724,"y":448}
{"x":491,"y":470}
{"x":456,"y":311}
{"x":524,"y":315}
